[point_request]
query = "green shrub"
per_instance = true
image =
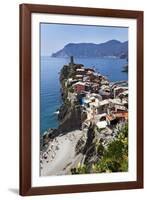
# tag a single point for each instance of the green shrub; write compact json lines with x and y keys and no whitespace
{"x":113,"y":158}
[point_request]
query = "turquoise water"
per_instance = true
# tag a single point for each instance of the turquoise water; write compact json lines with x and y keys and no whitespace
{"x":50,"y":99}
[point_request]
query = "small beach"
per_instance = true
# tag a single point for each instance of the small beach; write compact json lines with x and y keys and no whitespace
{"x":60,"y":155}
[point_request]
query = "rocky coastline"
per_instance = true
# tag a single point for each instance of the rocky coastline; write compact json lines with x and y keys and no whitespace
{"x":90,"y":117}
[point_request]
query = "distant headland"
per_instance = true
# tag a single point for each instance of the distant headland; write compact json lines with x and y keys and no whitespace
{"x":111,"y":48}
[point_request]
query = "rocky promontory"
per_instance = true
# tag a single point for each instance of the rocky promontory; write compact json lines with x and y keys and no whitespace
{"x":111,"y":48}
{"x":92,"y":113}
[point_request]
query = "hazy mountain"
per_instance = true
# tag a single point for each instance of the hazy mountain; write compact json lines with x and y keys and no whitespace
{"x":84,"y":50}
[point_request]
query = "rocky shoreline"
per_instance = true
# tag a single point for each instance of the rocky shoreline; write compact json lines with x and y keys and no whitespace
{"x":92,"y":113}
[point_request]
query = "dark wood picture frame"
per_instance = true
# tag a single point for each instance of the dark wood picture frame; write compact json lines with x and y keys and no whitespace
{"x":25,"y":99}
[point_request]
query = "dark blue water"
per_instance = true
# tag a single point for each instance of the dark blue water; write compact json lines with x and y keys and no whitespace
{"x":50,"y":99}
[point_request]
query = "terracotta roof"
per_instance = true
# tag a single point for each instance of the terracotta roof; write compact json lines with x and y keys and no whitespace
{"x":122,"y":114}
{"x":117,"y":115}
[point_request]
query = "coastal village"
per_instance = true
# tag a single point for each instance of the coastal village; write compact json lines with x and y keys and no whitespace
{"x":103,"y":105}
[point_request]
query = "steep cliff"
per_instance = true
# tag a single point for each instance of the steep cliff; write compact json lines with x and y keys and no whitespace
{"x":70,"y":115}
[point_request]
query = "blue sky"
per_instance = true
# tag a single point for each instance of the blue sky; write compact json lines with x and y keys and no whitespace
{"x":55,"y":36}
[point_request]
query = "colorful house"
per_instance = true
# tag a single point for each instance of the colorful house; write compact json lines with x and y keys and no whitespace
{"x":79,"y":87}
{"x":119,"y":90}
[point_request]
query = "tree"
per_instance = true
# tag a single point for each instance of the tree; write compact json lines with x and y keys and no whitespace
{"x":115,"y":150}
{"x":115,"y":158}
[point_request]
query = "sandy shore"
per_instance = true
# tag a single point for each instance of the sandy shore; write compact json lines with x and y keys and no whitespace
{"x":60,"y":155}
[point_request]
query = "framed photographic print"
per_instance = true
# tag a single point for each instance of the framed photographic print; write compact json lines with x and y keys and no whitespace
{"x":81,"y":99}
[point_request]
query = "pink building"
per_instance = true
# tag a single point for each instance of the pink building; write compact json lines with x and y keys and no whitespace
{"x":79,"y":87}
